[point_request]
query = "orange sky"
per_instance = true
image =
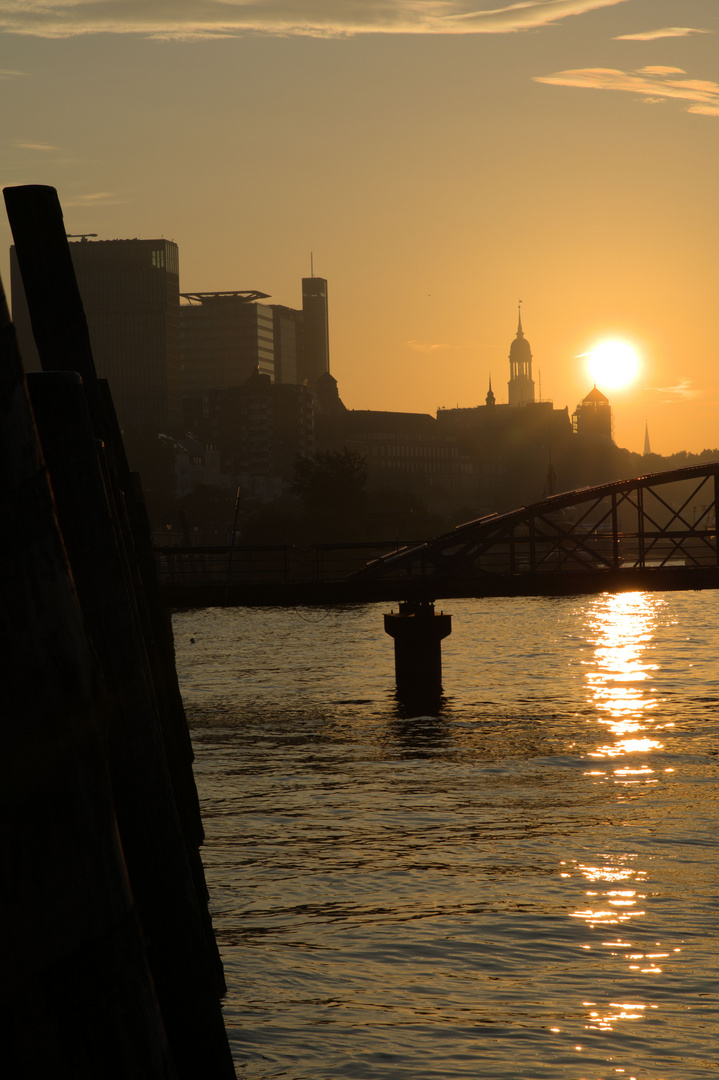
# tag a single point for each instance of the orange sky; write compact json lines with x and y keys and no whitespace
{"x":441,"y":160}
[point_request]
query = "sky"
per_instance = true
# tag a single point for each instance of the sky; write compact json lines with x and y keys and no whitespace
{"x":439,"y":161}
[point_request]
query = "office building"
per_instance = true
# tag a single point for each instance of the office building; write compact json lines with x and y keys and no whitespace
{"x":315,"y":350}
{"x":287,"y":324}
{"x":130,"y":290}
{"x":226,"y":336}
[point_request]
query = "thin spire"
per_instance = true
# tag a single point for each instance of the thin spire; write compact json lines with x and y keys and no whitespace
{"x":490,"y":398}
{"x":647,"y":447}
{"x":312,"y":265}
{"x":520,"y":332}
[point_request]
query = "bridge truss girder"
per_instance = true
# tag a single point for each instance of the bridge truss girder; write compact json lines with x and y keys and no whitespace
{"x":654,"y":522}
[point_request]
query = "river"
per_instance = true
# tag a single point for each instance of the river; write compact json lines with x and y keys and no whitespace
{"x":521,"y":882}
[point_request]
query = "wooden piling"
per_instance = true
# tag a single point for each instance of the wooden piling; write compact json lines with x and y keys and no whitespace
{"x":76,"y":996}
{"x":148,"y":748}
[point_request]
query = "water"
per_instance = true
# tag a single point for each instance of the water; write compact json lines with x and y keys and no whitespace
{"x":521,"y":885}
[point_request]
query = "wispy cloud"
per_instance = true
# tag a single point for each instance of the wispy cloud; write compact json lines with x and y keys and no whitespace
{"x":95,"y":198}
{"x":684,"y":389}
{"x":667,"y":32}
{"x":35,"y":146}
{"x":653,"y":83}
{"x":188,"y":19}
{"x":8,"y":73}
{"x":427,"y":347}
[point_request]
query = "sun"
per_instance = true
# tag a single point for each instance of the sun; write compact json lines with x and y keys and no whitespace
{"x":613,"y":364}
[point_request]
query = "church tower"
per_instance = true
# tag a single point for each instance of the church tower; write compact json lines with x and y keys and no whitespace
{"x":490,"y":398}
{"x":521,"y":383}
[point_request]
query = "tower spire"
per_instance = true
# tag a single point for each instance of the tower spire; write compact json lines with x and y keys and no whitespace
{"x":521,"y":383}
{"x":490,"y":398}
{"x":647,"y":448}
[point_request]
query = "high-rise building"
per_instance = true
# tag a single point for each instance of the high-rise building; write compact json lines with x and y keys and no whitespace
{"x":130,"y":290}
{"x":226,"y":337}
{"x":521,"y":384}
{"x":315,"y":351}
{"x":288,"y":337}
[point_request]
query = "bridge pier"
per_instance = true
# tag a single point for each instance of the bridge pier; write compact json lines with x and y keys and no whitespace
{"x":418,"y":632}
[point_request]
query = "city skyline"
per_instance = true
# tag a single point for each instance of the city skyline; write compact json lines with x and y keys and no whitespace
{"x":441,"y":162}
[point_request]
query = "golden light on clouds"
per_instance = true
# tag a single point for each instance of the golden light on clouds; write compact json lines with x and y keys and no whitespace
{"x":196,"y":19}
{"x":656,"y":35}
{"x":654,"y":82}
{"x":613,"y":364}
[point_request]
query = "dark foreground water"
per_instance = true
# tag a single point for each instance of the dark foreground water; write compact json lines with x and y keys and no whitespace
{"x":522,"y":885}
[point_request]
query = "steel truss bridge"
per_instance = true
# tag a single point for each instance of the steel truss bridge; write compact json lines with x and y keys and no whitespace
{"x":654,"y":532}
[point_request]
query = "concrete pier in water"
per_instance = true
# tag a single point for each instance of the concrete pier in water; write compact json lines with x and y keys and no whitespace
{"x":418,"y":632}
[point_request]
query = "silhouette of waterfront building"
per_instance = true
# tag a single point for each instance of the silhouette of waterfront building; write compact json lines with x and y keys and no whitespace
{"x":521,"y":384}
{"x":130,"y":291}
{"x":593,"y":415}
{"x":403,"y":450}
{"x":226,"y":336}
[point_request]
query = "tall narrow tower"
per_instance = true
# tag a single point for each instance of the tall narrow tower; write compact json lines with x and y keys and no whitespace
{"x":521,"y":383}
{"x":315,"y":352}
{"x":647,"y":447}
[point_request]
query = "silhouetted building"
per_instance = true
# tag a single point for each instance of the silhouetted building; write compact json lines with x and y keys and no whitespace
{"x":593,"y":415}
{"x":521,"y":384}
{"x":647,"y":447}
{"x":403,"y":450}
{"x":130,"y":290}
{"x":259,"y":427}
{"x":315,"y":351}
{"x":196,"y":464}
{"x":226,"y":336}
{"x":287,"y":324}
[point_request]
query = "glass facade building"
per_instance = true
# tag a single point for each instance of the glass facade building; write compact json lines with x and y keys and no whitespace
{"x":130,"y":290}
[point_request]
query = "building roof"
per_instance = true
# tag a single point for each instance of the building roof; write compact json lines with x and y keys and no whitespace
{"x":595,"y":397}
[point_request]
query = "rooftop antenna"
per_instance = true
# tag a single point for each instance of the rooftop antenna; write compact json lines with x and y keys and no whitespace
{"x":540,"y":384}
{"x":312,"y":265}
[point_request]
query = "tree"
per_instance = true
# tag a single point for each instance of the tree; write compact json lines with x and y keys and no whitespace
{"x":331,"y":485}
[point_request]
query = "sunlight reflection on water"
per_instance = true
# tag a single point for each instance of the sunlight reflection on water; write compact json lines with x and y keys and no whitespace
{"x":518,"y":883}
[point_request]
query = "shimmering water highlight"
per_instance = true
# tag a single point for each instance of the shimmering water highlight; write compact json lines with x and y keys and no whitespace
{"x":520,"y":884}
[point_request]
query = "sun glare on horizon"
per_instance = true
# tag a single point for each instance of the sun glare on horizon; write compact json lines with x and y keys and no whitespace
{"x":613,"y":364}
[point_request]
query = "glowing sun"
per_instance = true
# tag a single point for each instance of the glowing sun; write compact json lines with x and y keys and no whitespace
{"x":613,"y":364}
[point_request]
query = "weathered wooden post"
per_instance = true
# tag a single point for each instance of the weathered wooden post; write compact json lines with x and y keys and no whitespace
{"x":76,"y":993}
{"x":146,"y":743}
{"x":418,"y":632}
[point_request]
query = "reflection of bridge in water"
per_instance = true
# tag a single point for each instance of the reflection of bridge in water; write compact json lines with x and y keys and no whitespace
{"x":656,"y":532}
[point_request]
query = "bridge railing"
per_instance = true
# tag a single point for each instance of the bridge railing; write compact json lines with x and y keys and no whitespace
{"x":218,"y":565}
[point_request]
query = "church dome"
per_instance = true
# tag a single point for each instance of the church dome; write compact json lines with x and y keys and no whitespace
{"x":520,"y":350}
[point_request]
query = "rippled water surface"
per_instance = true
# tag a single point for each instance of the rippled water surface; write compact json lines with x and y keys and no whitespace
{"x":519,"y":883}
